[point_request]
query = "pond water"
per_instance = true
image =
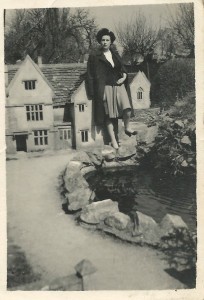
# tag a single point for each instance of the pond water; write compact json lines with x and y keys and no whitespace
{"x":153,"y":195}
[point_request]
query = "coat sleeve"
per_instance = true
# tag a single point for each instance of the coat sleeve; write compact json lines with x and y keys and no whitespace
{"x":90,"y":75}
{"x":123,"y":69}
{"x":127,"y":86}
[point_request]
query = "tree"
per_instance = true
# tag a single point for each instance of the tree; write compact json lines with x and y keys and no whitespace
{"x":174,"y":79}
{"x":137,"y":36}
{"x":55,"y":34}
{"x":182,"y":24}
{"x":165,"y":47}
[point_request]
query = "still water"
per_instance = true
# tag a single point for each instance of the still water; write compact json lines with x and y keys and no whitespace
{"x":153,"y":195}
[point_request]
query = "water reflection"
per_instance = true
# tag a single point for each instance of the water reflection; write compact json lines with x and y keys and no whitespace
{"x":155,"y":196}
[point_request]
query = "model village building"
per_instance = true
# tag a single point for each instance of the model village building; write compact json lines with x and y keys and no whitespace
{"x":47,"y":106}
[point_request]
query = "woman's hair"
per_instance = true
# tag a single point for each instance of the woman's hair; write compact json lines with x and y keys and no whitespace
{"x":105,"y":31}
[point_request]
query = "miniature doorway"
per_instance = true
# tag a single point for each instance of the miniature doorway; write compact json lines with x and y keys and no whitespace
{"x":21,"y":144}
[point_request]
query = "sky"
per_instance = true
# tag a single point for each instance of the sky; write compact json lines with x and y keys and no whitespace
{"x":110,"y":16}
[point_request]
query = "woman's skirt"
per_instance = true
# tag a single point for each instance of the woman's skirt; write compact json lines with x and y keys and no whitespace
{"x":115,"y":101}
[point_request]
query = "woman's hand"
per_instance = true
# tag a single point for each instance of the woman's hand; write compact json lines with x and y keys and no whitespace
{"x":122,"y":79}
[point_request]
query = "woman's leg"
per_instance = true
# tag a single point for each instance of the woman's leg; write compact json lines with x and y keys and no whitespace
{"x":115,"y":128}
{"x":110,"y":129}
{"x":126,"y":120}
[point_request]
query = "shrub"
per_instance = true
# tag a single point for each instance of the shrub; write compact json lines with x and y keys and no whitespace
{"x":173,"y":81}
{"x":180,"y":246}
{"x":174,"y":150}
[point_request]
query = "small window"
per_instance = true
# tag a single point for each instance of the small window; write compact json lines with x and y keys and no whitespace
{"x":65,"y":134}
{"x":34,"y":112}
{"x":140,"y":94}
{"x":81,"y":107}
{"x":29,"y":84}
{"x":40,"y":137}
{"x":84,"y":136}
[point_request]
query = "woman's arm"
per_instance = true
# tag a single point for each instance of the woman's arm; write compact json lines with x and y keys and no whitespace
{"x":122,"y":79}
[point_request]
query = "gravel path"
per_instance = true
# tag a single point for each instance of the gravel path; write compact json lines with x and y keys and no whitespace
{"x":54,"y":244}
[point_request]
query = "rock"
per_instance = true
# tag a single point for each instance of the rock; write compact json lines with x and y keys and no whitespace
{"x":171,"y":222}
{"x":184,"y":163}
{"x":86,"y":270}
{"x":74,"y":164}
{"x":110,"y":157}
{"x":96,"y":212}
{"x":73,"y":178}
{"x":85,"y":267}
{"x":179,"y":123}
{"x":87,"y":169}
{"x":108,"y":153}
{"x":124,"y":235}
{"x":68,"y":283}
{"x":118,"y":220}
{"x":127,"y":150}
{"x":95,"y":157}
{"x":151,"y":134}
{"x":147,"y":134}
{"x":145,"y":222}
{"x":149,"y":228}
{"x":192,"y":127}
{"x":168,"y":119}
{"x":185,"y":140}
{"x":111,"y":164}
{"x":78,"y":192}
{"x":82,"y":157}
{"x":80,"y":198}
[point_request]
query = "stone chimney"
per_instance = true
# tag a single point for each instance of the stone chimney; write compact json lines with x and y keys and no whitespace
{"x":40,"y":61}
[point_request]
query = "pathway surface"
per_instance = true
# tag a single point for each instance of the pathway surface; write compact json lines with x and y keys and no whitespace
{"x":54,"y":244}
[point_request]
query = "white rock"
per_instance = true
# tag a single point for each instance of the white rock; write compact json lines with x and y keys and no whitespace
{"x":96,"y":212}
{"x":171,"y":222}
{"x":186,"y":140}
{"x":118,"y":220}
{"x":179,"y":123}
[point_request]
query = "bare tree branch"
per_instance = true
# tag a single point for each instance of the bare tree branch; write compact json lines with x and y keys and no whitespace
{"x":47,"y":32}
{"x":182,"y":23}
{"x":137,"y":36}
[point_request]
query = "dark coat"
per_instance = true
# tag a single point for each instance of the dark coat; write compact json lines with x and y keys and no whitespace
{"x":100,"y":73}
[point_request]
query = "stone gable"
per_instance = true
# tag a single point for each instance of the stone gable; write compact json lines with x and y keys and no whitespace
{"x":64,"y":78}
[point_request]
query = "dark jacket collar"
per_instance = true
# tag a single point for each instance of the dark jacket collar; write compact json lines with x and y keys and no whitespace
{"x":102,"y":57}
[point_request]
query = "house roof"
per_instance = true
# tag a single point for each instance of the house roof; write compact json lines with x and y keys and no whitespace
{"x":64,"y":78}
{"x":131,"y":76}
{"x":35,"y":66}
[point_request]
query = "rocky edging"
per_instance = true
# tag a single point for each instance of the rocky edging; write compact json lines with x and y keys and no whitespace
{"x":105,"y":215}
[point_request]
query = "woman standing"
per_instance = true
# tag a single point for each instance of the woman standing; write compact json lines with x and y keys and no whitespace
{"x":108,"y":86}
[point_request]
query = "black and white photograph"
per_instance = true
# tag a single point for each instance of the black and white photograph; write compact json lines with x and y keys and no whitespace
{"x":101,"y":147}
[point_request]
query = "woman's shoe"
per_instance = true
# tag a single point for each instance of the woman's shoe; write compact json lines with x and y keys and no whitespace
{"x":119,"y":144}
{"x":116,"y":147}
{"x":130,"y":133}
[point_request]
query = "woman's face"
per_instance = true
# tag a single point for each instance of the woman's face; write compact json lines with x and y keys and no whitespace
{"x":105,"y":42}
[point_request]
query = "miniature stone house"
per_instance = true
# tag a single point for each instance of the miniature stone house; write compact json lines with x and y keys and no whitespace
{"x":140,"y":90}
{"x":29,"y":112}
{"x":47,"y":106}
